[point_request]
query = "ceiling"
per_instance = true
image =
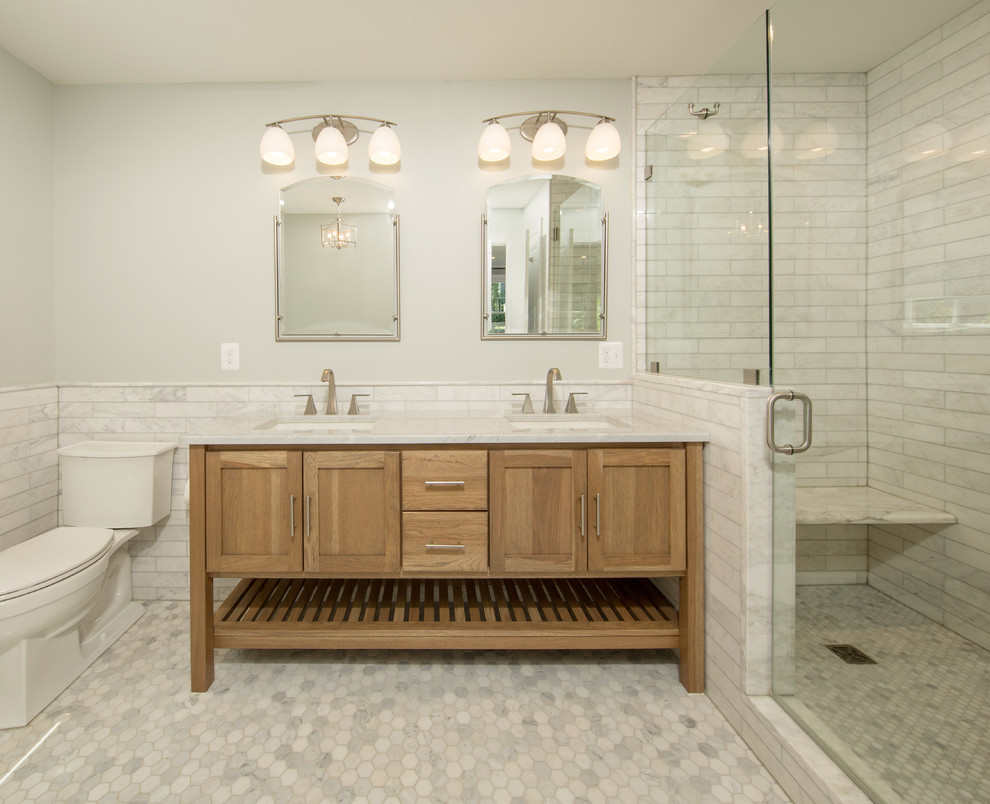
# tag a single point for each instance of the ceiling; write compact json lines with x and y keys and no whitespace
{"x":196,"y":41}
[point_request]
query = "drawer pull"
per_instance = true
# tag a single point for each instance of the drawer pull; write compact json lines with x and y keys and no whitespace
{"x":446,"y":547}
{"x":444,"y":484}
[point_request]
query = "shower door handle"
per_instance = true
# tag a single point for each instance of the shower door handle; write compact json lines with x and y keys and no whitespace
{"x":787,"y":449}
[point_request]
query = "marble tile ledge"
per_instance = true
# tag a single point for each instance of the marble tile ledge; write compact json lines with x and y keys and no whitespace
{"x":443,"y":427}
{"x":860,"y":505}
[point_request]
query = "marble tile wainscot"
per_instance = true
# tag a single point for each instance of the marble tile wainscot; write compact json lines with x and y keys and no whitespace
{"x":169,"y":411}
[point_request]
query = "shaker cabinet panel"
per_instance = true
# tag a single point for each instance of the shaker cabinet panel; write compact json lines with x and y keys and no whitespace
{"x":445,"y":480}
{"x":636,"y":502}
{"x":352,"y":511}
{"x":536,"y":513}
{"x":252,"y":511}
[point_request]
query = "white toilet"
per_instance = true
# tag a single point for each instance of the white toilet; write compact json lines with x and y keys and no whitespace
{"x":65,"y":595}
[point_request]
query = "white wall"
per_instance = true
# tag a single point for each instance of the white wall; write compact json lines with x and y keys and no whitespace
{"x":27,"y":267}
{"x":164,"y":248}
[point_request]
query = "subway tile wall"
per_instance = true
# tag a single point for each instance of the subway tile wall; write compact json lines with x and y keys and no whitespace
{"x":929,"y":318}
{"x":702,"y":254}
{"x":28,"y":462}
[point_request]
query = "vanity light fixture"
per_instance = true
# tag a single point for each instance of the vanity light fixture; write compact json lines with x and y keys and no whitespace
{"x":338,"y":234}
{"x":548,"y":133}
{"x":332,"y":134}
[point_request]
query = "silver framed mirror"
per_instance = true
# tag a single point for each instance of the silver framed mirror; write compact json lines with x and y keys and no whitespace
{"x":544,"y":245}
{"x":336,"y":261}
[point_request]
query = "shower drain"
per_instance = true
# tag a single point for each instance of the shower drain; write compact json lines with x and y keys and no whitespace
{"x":850,"y":654}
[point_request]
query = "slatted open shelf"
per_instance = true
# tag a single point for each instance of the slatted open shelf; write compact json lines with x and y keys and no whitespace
{"x":543,"y":613}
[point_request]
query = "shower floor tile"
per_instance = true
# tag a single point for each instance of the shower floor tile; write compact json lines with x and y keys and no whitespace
{"x":916,"y":721}
{"x":299,"y":726}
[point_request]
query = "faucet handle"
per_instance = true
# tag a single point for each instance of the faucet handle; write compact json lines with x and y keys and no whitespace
{"x":310,"y":407}
{"x":353,"y":409}
{"x":572,"y":402}
{"x":527,"y":406}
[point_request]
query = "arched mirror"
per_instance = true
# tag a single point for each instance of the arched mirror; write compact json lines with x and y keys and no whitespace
{"x":336,"y":261}
{"x":545,"y":240}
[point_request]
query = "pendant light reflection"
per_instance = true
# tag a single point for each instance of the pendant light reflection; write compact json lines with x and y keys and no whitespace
{"x":338,"y":234}
{"x":707,"y":141}
{"x":817,"y":140}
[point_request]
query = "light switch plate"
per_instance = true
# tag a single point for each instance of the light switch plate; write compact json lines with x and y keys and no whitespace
{"x":610,"y":355}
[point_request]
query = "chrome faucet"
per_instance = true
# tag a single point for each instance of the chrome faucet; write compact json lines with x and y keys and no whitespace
{"x":548,"y":403}
{"x":331,"y":392}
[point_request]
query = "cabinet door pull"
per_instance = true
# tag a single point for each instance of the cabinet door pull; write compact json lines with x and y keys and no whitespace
{"x":582,"y":516}
{"x":444,"y":484}
{"x":308,"y":498}
{"x":598,"y":514}
{"x":292,"y":516}
{"x":446,"y":547}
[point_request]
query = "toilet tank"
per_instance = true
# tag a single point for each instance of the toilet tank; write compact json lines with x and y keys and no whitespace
{"x":116,"y":484}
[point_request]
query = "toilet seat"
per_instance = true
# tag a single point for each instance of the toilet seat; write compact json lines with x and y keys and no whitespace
{"x":49,"y":558}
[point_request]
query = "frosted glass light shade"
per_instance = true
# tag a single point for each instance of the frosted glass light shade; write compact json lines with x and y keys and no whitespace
{"x":549,"y":142}
{"x":384,"y":148}
{"x":603,"y":142}
{"x":276,"y":146}
{"x":331,"y":147}
{"x":494,"y":145}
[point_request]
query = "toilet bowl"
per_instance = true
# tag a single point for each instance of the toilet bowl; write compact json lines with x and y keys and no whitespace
{"x":65,"y":595}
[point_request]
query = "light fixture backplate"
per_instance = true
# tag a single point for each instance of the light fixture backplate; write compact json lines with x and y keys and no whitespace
{"x":346,"y":127}
{"x":531,"y":125}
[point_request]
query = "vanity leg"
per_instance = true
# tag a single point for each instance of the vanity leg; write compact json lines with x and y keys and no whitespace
{"x":200,"y":584}
{"x":692,"y":585}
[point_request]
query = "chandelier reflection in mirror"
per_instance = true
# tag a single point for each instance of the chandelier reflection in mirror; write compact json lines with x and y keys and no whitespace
{"x":338,"y":234}
{"x":547,"y":131}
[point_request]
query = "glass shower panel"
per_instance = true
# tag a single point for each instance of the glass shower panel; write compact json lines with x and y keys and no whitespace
{"x":881,"y":314}
{"x":707,"y":222}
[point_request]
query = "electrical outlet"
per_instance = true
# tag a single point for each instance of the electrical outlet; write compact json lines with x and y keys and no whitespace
{"x":610,"y":355}
{"x":230,"y":356}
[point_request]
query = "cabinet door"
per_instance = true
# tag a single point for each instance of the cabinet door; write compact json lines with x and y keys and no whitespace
{"x":252,"y":511}
{"x":636,"y":510}
{"x":536,"y":511}
{"x":352,"y":511}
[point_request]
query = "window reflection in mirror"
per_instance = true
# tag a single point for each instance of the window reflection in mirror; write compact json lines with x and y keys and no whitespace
{"x":544,"y":259}
{"x":337,"y":263}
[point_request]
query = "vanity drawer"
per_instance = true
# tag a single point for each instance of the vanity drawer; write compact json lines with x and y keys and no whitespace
{"x":445,"y":480}
{"x":444,"y":542}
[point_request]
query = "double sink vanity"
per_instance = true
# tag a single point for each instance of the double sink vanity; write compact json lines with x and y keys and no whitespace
{"x":445,"y":530}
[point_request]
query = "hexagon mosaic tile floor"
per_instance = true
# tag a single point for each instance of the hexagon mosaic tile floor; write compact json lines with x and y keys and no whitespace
{"x":385,"y":726}
{"x":916,"y":721}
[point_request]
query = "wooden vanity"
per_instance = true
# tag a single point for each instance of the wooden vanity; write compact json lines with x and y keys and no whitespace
{"x":447,"y":546}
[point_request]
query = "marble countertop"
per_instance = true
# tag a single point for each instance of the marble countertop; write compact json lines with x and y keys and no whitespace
{"x":445,"y":427}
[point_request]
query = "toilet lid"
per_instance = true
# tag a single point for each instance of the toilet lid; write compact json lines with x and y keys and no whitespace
{"x":50,"y":557}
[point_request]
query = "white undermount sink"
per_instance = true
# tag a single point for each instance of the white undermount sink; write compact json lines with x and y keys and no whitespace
{"x":562,"y":421}
{"x":319,"y":424}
